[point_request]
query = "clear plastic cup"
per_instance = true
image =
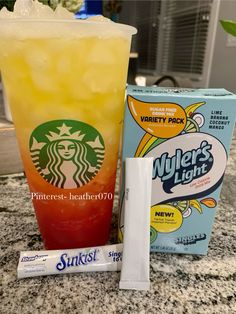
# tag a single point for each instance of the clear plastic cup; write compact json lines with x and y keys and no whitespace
{"x":65,"y":81}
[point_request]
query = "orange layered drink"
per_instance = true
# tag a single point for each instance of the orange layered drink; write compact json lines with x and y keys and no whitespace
{"x":65,"y":80}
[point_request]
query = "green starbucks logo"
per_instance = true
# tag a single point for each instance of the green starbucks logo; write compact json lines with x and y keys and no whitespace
{"x":67,"y":153}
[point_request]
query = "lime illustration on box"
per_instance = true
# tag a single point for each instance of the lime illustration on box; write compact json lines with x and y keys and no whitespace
{"x":188,"y":133}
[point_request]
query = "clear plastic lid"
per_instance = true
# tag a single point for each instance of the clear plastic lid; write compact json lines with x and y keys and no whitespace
{"x":33,"y":28}
{"x":32,"y":19}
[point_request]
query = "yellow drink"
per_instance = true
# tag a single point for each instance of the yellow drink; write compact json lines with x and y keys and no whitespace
{"x":66,"y":92}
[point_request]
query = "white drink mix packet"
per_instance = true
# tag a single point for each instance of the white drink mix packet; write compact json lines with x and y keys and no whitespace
{"x":138,"y":185}
{"x":56,"y":262}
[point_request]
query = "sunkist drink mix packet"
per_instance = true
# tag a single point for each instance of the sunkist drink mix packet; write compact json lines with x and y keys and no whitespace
{"x":188,"y":133}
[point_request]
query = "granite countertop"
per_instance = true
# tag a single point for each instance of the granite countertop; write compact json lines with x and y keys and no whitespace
{"x":179,"y":283}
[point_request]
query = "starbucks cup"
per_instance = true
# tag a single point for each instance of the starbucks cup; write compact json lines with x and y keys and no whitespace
{"x":65,"y":81}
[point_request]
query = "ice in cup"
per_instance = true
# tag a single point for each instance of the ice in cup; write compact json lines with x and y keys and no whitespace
{"x":65,"y":80}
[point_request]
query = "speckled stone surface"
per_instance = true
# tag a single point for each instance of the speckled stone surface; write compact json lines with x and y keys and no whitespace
{"x":179,"y":283}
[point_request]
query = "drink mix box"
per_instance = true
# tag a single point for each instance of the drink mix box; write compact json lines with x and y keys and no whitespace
{"x":188,"y":134}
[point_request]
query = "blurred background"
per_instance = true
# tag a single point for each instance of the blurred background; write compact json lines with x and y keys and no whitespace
{"x":179,"y":42}
{"x":182,"y":39}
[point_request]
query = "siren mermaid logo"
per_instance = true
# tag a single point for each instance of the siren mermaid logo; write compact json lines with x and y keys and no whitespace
{"x":67,"y":153}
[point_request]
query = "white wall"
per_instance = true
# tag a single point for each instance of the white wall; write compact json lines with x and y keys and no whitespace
{"x":223,"y":71}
